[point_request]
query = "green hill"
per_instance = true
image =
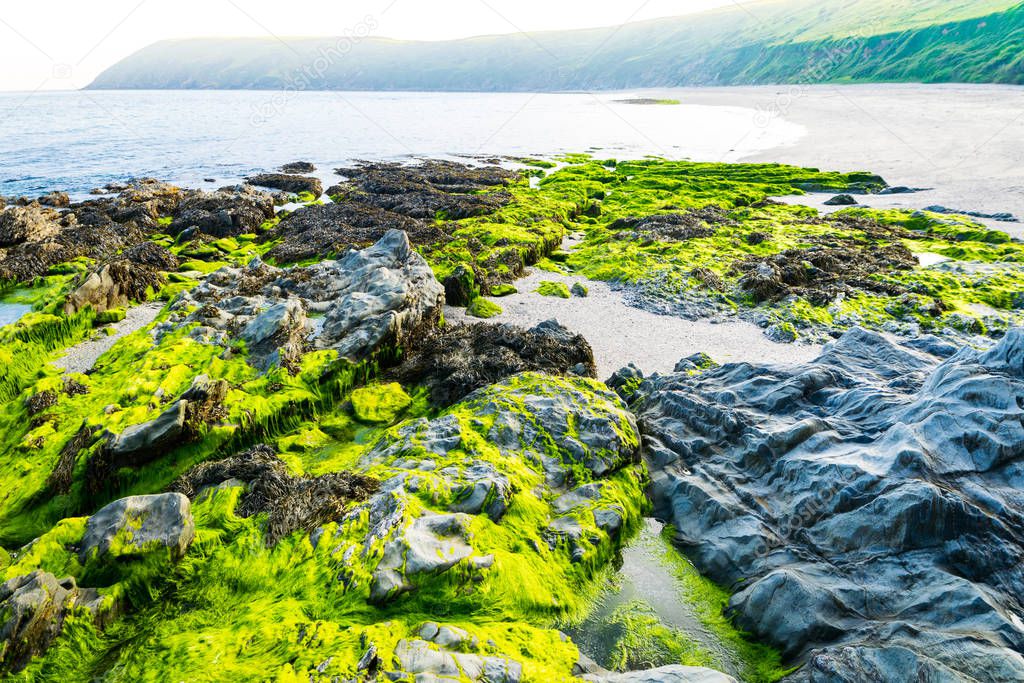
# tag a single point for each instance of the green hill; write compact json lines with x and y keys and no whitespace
{"x":772,"y":41}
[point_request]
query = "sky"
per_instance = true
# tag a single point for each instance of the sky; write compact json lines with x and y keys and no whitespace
{"x":64,"y":44}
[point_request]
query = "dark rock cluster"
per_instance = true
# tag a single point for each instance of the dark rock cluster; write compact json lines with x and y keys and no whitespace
{"x":867,"y":507}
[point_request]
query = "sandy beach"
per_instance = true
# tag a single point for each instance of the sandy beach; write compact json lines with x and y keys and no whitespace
{"x":965,"y":142}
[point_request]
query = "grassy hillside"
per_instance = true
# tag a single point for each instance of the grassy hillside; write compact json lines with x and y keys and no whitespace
{"x":780,"y":41}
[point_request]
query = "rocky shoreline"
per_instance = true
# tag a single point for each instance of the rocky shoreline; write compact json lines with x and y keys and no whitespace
{"x":248,"y":434}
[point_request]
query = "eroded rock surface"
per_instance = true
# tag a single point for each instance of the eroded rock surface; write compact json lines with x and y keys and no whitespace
{"x":867,"y":506}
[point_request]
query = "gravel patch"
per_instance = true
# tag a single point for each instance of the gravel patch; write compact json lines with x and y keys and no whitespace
{"x":621,"y":334}
{"x":82,"y":357}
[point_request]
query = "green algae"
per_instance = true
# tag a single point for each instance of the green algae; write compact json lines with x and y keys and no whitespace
{"x":483,"y":308}
{"x":554,"y":289}
{"x":243,"y":610}
{"x":379,"y":402}
{"x":501,"y":290}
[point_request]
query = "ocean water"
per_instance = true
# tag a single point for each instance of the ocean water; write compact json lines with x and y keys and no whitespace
{"x":75,"y":141}
{"x":11,"y":313}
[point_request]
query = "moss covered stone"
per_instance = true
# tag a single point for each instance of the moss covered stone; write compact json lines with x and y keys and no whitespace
{"x":555,"y":289}
{"x":483,"y":308}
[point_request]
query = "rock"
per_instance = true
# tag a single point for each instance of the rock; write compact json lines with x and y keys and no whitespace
{"x":624,"y":381}
{"x":175,"y":426}
{"x":432,"y":544}
{"x":901,"y":189}
{"x":224,"y":213}
{"x":459,"y":359}
{"x":781,"y":333}
{"x":867,"y":503}
{"x":460,"y":288}
{"x":665,"y":674}
{"x":438,"y":658}
{"x":32,"y":613}
{"x":841,"y":200}
{"x":293,"y":184}
{"x":58,"y":200}
{"x":276,"y":336}
{"x":378,"y":299}
{"x":139,"y":525}
{"x":1001,"y":217}
{"x":579,"y":289}
{"x":27,"y":224}
{"x":115,"y":285}
{"x":298,"y":167}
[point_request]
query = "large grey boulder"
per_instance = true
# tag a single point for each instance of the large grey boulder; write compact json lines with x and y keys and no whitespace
{"x":867,"y":506}
{"x":138,"y":525}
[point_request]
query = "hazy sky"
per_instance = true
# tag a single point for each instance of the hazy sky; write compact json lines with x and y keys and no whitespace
{"x":63,"y":44}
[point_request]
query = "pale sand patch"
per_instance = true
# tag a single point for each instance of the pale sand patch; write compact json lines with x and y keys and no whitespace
{"x":82,"y":357}
{"x":621,"y":334}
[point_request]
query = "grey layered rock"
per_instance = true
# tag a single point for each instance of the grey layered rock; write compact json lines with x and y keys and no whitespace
{"x":383,"y":295}
{"x":868,"y":505}
{"x":139,"y":525}
{"x":447,"y":653}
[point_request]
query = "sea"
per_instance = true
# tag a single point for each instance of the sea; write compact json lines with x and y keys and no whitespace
{"x":79,"y":140}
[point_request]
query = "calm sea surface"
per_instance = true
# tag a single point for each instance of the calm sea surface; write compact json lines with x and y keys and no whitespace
{"x":76,"y":141}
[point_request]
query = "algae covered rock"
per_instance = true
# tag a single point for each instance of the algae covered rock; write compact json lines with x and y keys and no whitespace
{"x":430,"y":545}
{"x":32,"y":613}
{"x":374,"y":300}
{"x":554,"y":289}
{"x":864,"y":502}
{"x":458,"y":359}
{"x":483,"y":308}
{"x":139,"y":524}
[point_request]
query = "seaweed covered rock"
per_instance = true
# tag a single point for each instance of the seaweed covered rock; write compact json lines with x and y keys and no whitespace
{"x":115,"y":285}
{"x":32,"y":613}
{"x":28,"y":224}
{"x":321,"y":231}
{"x":298,"y":167}
{"x":138,"y":525}
{"x":677,"y":227}
{"x":291,"y":503}
{"x":295,"y":184}
{"x":376,"y":299}
{"x":226,"y":212}
{"x":867,"y":504}
{"x":458,"y":359}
